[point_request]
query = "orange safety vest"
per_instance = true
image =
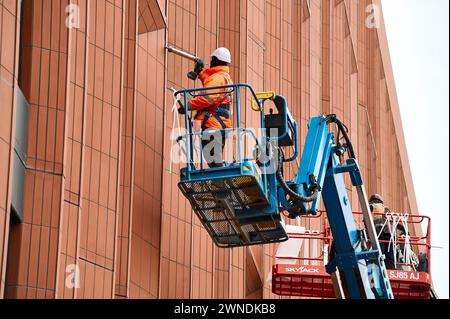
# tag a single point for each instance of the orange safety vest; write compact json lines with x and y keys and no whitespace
{"x":216,"y":76}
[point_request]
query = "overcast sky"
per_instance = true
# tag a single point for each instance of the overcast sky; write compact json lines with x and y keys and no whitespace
{"x":418,"y":32}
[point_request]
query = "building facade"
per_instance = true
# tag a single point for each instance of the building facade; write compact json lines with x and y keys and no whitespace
{"x":89,"y":203}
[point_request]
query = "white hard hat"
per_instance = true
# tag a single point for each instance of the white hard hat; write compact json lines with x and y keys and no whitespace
{"x":223,"y":54}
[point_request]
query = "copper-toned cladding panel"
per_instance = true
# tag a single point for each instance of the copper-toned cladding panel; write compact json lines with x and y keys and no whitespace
{"x":151,"y":17}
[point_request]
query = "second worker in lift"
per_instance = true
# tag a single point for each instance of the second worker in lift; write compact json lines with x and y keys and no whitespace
{"x":214,"y":109}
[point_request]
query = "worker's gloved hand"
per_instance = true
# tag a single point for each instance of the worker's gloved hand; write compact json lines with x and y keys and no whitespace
{"x":199,"y":66}
{"x":181,"y":108}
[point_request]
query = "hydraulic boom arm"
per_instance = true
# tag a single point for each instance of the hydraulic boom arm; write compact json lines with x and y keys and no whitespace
{"x":357,"y":254}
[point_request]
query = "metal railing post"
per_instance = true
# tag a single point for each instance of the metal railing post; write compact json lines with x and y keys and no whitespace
{"x":188,"y":136}
{"x":238,"y":127}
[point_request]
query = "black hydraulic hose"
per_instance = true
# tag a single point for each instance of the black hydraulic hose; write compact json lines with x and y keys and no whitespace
{"x":287,"y":189}
{"x":344,"y":130}
{"x":316,"y":188}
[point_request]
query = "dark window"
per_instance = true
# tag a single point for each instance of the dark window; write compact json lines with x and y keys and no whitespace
{"x":20,"y":143}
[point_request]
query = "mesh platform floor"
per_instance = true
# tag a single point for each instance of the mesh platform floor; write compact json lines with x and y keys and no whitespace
{"x":215,"y":201}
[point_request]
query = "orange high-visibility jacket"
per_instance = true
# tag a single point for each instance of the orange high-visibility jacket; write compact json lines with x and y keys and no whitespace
{"x":216,"y":76}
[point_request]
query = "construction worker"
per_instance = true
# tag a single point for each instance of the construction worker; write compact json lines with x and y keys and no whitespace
{"x":379,"y":211}
{"x":214,"y":109}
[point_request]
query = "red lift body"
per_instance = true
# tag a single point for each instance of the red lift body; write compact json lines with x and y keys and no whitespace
{"x":306,"y":276}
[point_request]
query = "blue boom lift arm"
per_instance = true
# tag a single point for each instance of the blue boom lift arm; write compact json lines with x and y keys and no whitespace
{"x":357,"y":254}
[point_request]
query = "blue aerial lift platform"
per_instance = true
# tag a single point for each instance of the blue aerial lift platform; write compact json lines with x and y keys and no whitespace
{"x":236,"y":203}
{"x":240,"y":204}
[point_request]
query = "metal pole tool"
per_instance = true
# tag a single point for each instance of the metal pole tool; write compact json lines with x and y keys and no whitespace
{"x":182,"y":54}
{"x":199,"y":63}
